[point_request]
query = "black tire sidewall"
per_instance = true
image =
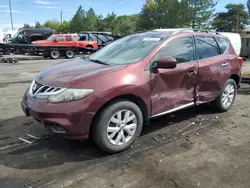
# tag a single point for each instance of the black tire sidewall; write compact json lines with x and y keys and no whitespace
{"x":51,"y":54}
{"x":230,"y":81}
{"x":102,"y":125}
{"x":69,"y":57}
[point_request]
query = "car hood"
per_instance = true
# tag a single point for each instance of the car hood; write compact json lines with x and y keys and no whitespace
{"x":73,"y":73}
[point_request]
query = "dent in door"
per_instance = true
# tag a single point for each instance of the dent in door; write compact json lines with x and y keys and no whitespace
{"x":171,"y":89}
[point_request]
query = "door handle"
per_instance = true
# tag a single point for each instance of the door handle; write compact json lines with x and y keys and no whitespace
{"x":192,"y":72}
{"x":224,"y":64}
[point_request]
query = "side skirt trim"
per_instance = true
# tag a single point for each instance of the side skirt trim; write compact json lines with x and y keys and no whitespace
{"x":174,"y":110}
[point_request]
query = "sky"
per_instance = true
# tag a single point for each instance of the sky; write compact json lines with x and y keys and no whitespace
{"x":31,"y":11}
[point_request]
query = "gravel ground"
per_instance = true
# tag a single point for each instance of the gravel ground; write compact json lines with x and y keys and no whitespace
{"x":192,"y":148}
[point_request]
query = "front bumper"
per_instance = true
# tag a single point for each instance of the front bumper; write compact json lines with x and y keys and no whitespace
{"x":71,"y":119}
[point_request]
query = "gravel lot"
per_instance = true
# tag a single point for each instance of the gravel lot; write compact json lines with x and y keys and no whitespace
{"x":192,"y":148}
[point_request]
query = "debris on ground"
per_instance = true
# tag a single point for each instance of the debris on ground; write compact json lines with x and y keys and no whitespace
{"x":161,"y":161}
{"x":198,"y":134}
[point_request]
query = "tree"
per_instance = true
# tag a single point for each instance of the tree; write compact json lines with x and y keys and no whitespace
{"x":248,"y":7}
{"x":38,"y":25}
{"x":27,"y":26}
{"x":91,"y":20}
{"x":77,"y":23}
{"x":64,"y":27}
{"x":165,"y":14}
{"x":53,"y":24}
{"x":227,"y":21}
{"x":201,"y":11}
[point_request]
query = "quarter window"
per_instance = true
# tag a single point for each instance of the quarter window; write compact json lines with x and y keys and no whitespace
{"x":60,"y":38}
{"x":181,"y":49}
{"x":207,"y":47}
{"x":223,"y":44}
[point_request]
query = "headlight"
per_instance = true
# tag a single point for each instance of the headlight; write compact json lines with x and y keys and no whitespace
{"x":70,"y":95}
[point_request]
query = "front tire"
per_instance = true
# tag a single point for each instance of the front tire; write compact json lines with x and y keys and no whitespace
{"x":227,"y":97}
{"x":54,"y":54}
{"x":117,"y":126}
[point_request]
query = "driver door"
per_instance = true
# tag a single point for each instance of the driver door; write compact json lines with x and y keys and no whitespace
{"x":174,"y":89}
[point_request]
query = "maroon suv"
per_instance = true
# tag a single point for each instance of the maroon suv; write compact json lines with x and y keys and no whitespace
{"x":145,"y":75}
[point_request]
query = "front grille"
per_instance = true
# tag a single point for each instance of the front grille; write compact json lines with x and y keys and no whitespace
{"x":37,"y":89}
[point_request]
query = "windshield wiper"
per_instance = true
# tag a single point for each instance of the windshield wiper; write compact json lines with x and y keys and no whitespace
{"x":98,"y":61}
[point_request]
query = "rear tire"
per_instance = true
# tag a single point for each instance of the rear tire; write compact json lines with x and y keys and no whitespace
{"x":69,"y":54}
{"x":227,"y":97}
{"x":117,"y":126}
{"x":54,"y":54}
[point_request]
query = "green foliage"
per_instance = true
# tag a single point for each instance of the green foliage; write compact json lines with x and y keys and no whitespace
{"x":53,"y":24}
{"x":201,"y":11}
{"x":27,"y":26}
{"x":156,"y":14}
{"x":77,"y":23}
{"x":38,"y":25}
{"x":227,"y":21}
{"x":64,"y":27}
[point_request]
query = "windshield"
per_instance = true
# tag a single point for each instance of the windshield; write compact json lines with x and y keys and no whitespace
{"x":127,"y":50}
{"x":51,"y":37}
{"x":15,"y":35}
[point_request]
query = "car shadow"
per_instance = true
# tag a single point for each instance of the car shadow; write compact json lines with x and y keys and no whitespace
{"x":244,"y":90}
{"x":52,"y":150}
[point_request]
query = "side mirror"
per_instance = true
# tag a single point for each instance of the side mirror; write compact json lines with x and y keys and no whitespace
{"x":165,"y":63}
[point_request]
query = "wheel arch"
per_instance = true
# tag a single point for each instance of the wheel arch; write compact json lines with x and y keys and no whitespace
{"x":236,"y":78}
{"x":130,"y":97}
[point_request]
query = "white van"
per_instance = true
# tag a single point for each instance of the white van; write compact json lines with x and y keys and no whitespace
{"x":235,"y":39}
{"x":1,"y":36}
{"x":9,"y":34}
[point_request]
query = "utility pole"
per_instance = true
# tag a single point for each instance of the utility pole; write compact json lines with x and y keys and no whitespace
{"x":11,"y":15}
{"x":61,"y":16}
{"x":237,"y":22}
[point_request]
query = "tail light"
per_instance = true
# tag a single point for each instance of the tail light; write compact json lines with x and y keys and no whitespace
{"x":4,"y":40}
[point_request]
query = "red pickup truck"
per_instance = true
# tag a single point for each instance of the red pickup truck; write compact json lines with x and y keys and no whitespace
{"x":67,"y":40}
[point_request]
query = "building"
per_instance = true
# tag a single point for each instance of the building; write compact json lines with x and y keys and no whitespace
{"x":245,"y":40}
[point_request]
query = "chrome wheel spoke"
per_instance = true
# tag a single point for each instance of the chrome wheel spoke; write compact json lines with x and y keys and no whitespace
{"x":118,"y":138}
{"x":130,"y":118}
{"x":122,"y":127}
{"x":228,"y":95}
{"x":115,"y":120}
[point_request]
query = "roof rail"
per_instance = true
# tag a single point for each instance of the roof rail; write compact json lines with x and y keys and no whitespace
{"x":195,"y":30}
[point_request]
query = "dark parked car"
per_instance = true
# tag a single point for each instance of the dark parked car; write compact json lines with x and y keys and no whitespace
{"x":27,"y":36}
{"x":145,"y":75}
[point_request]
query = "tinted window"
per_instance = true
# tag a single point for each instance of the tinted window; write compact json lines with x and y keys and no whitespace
{"x":207,"y":47}
{"x":180,"y":49}
{"x":60,"y":38}
{"x":223,"y":44}
{"x":68,"y":38}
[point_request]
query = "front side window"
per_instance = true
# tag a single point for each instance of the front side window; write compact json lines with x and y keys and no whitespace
{"x":68,"y":38}
{"x":181,"y":49}
{"x":207,"y":47}
{"x":60,"y":38}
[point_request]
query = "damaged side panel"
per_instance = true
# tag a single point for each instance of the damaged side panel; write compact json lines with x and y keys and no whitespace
{"x":172,"y":88}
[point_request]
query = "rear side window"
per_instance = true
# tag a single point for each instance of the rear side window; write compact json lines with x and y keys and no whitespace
{"x":68,"y":38}
{"x":60,"y":38}
{"x":181,"y":49}
{"x":223,"y":44}
{"x":207,"y":47}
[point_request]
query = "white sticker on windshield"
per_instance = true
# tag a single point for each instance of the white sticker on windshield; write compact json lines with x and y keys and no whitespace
{"x":151,"y":39}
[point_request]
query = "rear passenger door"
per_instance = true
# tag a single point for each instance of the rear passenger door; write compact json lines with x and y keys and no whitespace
{"x":213,"y":69}
{"x":69,"y":40}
